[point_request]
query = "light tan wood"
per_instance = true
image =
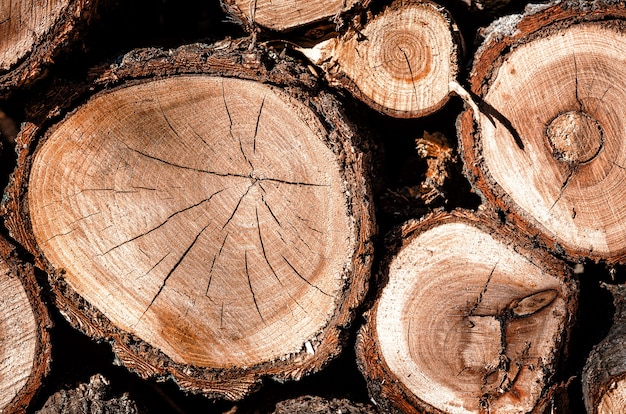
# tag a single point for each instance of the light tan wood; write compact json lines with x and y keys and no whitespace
{"x":466,"y":323}
{"x":215,"y":229}
{"x":401,"y":62}
{"x":19,"y":336}
{"x":283,"y":15}
{"x":550,"y":137}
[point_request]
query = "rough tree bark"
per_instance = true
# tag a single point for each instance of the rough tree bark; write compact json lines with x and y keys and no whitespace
{"x":93,"y":397}
{"x":469,"y":319}
{"x":215,"y":228}
{"x":604,"y":375}
{"x":401,"y":63}
{"x":24,"y":323}
{"x":318,"y":405}
{"x":283,"y":15}
{"x":549,"y":149}
{"x":31,"y":35}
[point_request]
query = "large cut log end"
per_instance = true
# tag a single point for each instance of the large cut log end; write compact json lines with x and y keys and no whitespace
{"x":469,"y":320}
{"x":548,"y":149}
{"x":217,"y":229}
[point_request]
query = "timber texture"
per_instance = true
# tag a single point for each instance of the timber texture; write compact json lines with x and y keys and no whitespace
{"x":469,"y":320}
{"x":214,"y":227}
{"x":33,"y":33}
{"x":25,"y":352}
{"x":401,"y":62}
{"x":548,"y":150}
{"x":268,"y":211}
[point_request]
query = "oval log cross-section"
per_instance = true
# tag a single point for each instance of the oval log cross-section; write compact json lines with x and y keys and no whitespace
{"x":549,"y":148}
{"x":217,"y":219}
{"x":400,"y":63}
{"x":469,"y":321}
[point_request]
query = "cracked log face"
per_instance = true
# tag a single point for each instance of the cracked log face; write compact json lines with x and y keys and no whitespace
{"x":604,"y":374}
{"x":284,"y":15}
{"x":400,"y":63}
{"x":468,"y":321}
{"x":31,"y":32}
{"x":216,"y":219}
{"x":24,"y":344}
{"x":549,"y":149}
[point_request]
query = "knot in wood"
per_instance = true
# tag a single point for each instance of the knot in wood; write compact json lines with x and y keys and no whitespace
{"x":575,"y":137}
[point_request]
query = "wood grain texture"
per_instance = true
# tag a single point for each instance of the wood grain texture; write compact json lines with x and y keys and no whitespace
{"x":24,"y":324}
{"x":468,"y":320}
{"x":31,"y":35}
{"x":215,"y":228}
{"x":283,"y":15}
{"x":604,"y":374}
{"x":549,"y":149}
{"x":401,"y":62}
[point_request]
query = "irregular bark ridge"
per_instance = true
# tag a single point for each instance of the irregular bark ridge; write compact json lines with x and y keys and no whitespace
{"x":549,"y":145}
{"x":604,"y":374}
{"x":466,"y":323}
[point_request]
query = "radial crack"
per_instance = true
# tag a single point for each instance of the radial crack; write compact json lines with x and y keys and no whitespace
{"x":482,"y":292}
{"x":237,"y":206}
{"x":184,"y":167}
{"x":258,"y":223}
{"x":256,"y":128}
{"x":410,"y":72}
{"x":217,"y":255}
{"x":206,"y":200}
{"x":173,"y":269}
{"x":580,"y":104}
{"x":256,"y":305}
{"x":563,"y":186}
{"x":230,"y":127}
{"x":277,"y":180}
{"x":153,"y":267}
{"x":303,"y":278}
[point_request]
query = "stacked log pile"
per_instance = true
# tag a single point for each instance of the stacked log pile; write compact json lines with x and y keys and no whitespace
{"x":357,"y":206}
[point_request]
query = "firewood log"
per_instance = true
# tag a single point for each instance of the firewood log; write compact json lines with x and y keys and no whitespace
{"x":284,"y":15}
{"x":604,"y":374}
{"x":469,"y":319}
{"x":206,"y":210}
{"x":548,"y":149}
{"x":403,"y":62}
